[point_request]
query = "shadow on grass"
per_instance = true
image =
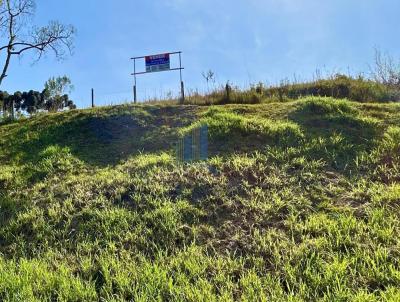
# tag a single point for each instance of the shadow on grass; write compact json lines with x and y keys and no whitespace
{"x":98,"y":140}
{"x":336,"y":131}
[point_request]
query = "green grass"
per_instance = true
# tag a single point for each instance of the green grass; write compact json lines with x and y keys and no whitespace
{"x":299,"y":201}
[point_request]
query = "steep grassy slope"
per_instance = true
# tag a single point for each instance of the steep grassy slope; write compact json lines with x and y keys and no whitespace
{"x":299,"y":202}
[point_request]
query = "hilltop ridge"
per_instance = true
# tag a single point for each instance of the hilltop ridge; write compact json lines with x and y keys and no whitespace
{"x":298,"y":201}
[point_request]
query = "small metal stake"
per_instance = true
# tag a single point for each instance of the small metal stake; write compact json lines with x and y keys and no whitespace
{"x":182,"y":85}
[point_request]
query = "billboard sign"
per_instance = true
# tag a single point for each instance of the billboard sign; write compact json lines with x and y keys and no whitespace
{"x":158,"y":63}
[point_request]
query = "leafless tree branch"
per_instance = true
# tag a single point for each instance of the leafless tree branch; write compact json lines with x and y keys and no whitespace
{"x":386,"y":70}
{"x":21,"y":37}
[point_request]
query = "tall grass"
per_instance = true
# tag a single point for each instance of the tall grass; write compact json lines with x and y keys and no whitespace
{"x":338,"y":86}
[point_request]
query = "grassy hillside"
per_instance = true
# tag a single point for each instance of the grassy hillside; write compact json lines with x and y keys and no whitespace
{"x":299,"y":201}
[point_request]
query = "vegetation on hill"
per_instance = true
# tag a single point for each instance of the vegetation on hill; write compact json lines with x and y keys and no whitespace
{"x":381,"y":85}
{"x":299,"y":201}
{"x":339,"y":86}
{"x":358,"y":89}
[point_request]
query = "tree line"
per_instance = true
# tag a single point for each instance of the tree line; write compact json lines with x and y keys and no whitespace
{"x":34,"y":101}
{"x":52,"y":98}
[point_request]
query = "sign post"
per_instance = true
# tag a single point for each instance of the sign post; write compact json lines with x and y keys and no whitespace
{"x":182,"y":85}
{"x":134,"y":86}
{"x":158,"y":63}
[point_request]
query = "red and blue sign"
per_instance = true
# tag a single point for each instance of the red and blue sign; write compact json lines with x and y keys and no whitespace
{"x":158,"y":63}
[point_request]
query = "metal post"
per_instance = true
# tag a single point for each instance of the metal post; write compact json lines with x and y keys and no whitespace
{"x":92,"y":98}
{"x":134,"y":86}
{"x":182,"y":85}
{"x":182,"y":92}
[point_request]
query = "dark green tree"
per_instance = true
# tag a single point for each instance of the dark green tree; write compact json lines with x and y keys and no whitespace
{"x":32,"y":101}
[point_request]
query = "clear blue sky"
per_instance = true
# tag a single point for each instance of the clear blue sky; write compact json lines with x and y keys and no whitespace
{"x":243,"y":41}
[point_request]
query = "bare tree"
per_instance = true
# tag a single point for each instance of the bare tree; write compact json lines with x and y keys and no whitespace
{"x":20,"y":36}
{"x":209,"y":76}
{"x":386,"y":70}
